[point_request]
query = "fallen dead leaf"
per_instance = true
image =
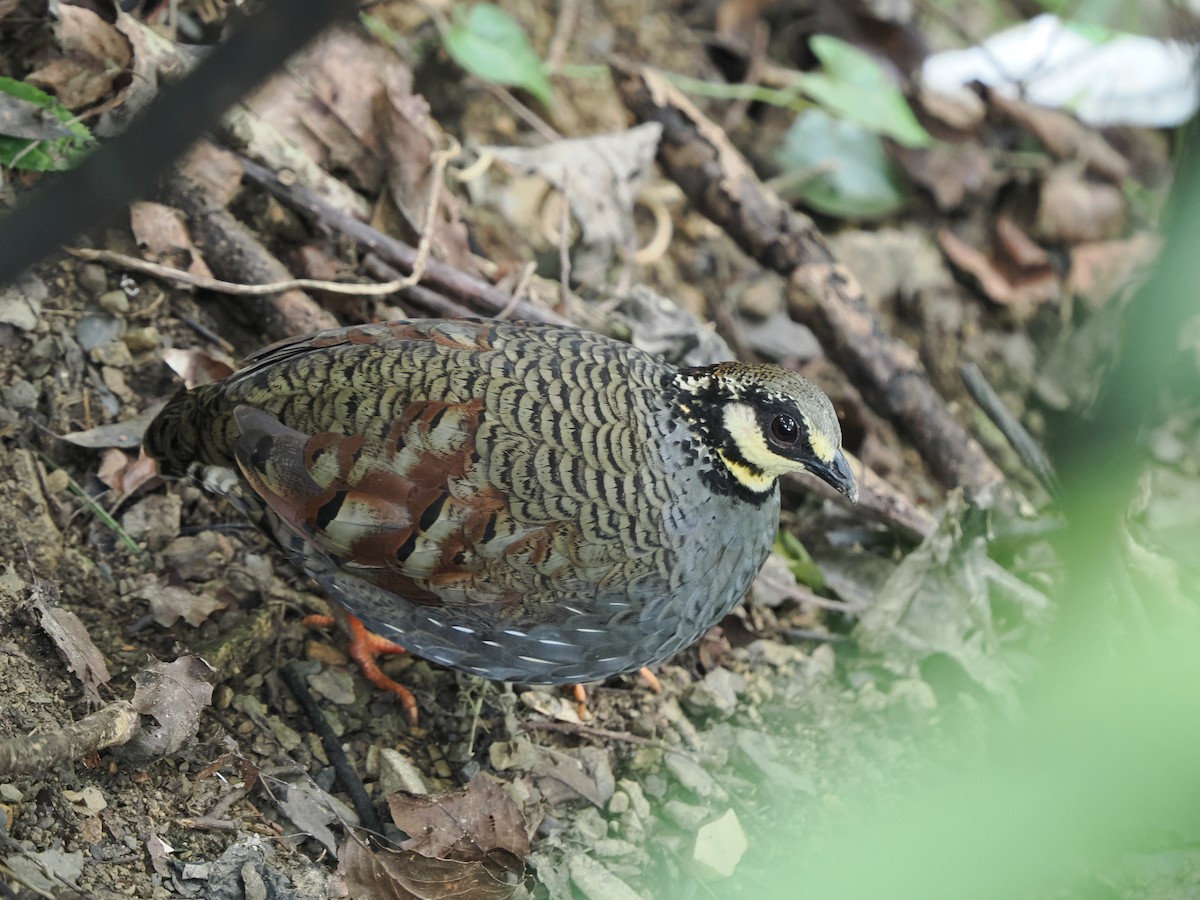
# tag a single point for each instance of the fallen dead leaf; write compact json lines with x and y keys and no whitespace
{"x":170,"y":603}
{"x":410,"y":137}
{"x":1072,"y":209}
{"x":1019,"y":247}
{"x":216,"y":170}
{"x":1100,"y":268}
{"x":312,"y":810}
{"x":601,"y":175}
{"x":462,"y":825}
{"x":163,"y":238}
{"x":174,"y":694}
{"x":325,"y":103}
{"x":126,"y":435}
{"x":196,"y":367}
{"x":82,"y":656}
{"x":94,"y":54}
{"x":566,"y":779}
{"x":407,"y":875}
{"x":124,"y":473}
{"x":1064,"y":136}
{"x":951,"y":173}
{"x":1000,"y":280}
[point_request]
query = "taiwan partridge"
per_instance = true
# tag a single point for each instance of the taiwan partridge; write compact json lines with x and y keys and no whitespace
{"x":526,"y":503}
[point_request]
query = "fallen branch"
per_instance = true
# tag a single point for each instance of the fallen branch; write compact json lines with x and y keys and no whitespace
{"x":37,"y":754}
{"x":475,"y":293}
{"x":235,"y":254}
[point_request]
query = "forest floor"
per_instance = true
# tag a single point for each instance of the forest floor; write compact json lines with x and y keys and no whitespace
{"x":870,"y":629}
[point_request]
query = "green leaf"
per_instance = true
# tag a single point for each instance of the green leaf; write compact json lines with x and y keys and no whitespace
{"x":488,"y":42}
{"x":855,"y":87}
{"x":841,"y":168}
{"x":52,"y":155}
{"x":796,"y":555}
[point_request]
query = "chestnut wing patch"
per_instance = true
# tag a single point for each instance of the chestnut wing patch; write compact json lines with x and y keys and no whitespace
{"x":405,"y":512}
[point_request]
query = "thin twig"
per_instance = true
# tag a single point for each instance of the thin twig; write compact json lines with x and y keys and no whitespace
{"x":523,"y":112}
{"x":441,"y":159}
{"x":133,"y":264}
{"x":564,"y":248}
{"x":519,"y":291}
{"x":333,"y":749}
{"x":564,"y":30}
{"x":1031,"y":454}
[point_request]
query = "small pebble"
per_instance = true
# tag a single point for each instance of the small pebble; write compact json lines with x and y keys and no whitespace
{"x":57,"y":481}
{"x":142,"y":339}
{"x":21,"y":395}
{"x":93,"y":278}
{"x":397,"y":773}
{"x":762,"y":298}
{"x":687,"y":816}
{"x":596,"y":882}
{"x":114,"y":380}
{"x":720,"y":846}
{"x":693,"y":776}
{"x":114,"y":354}
{"x":115,"y":302}
{"x":95,"y":331}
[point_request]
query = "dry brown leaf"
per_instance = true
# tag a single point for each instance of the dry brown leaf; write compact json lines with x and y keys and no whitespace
{"x":196,"y":367}
{"x":170,"y":603}
{"x":127,"y":434}
{"x":111,"y":471}
{"x":159,"y":852}
{"x":601,"y":175}
{"x":174,"y":694}
{"x":1004,"y":283}
{"x":163,"y":238}
{"x":325,"y":103}
{"x":407,"y":875}
{"x":1100,"y":268}
{"x":153,"y":55}
{"x":123,"y":472}
{"x":312,"y":811}
{"x":70,"y":636}
{"x":952,"y":173}
{"x":94,"y":55}
{"x":462,"y":825}
{"x":215,"y":170}
{"x":1019,"y":247}
{"x":1073,"y":210}
{"x":738,"y":22}
{"x":1064,"y":136}
{"x":410,"y":137}
{"x":567,"y":779}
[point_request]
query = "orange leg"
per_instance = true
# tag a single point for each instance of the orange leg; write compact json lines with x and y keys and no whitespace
{"x":580,"y":692}
{"x":581,"y":707}
{"x":364,"y":647}
{"x":651,"y":680}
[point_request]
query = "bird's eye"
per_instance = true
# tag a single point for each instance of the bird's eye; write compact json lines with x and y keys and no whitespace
{"x":784,"y":429}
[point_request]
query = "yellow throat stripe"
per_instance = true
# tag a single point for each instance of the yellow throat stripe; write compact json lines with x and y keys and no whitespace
{"x":765,"y":465}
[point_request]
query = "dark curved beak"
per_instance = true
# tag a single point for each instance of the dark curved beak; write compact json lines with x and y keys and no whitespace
{"x":838,"y":476}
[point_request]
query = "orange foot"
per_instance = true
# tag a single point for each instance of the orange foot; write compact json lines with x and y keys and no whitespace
{"x":580,"y":692}
{"x":364,"y":647}
{"x":651,"y":680}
